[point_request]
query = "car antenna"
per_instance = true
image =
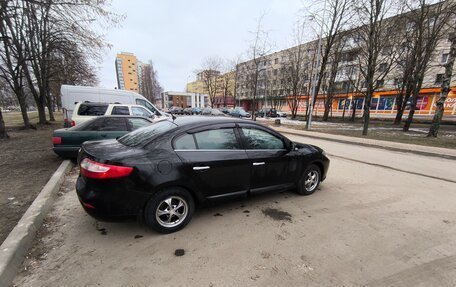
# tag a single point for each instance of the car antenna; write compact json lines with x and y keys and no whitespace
{"x":173,"y":116}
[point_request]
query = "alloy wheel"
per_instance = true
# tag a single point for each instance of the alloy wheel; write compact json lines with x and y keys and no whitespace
{"x":311,"y":180}
{"x":172,"y":211}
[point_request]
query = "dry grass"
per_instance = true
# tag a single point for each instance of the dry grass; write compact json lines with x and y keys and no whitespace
{"x":14,"y":119}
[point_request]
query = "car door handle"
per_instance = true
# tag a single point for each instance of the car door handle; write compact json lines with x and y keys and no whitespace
{"x":258,"y":163}
{"x":201,"y":167}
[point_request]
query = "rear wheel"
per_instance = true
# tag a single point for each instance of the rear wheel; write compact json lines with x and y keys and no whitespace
{"x":169,"y":210}
{"x":310,"y":180}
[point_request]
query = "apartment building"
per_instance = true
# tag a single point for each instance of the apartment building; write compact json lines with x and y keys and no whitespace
{"x":225,"y":87}
{"x":127,"y":71}
{"x":272,"y":77}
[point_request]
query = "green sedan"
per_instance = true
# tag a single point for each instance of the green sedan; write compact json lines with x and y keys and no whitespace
{"x":68,"y":141}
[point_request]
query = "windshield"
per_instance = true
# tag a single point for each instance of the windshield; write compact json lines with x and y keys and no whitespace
{"x":144,"y":134}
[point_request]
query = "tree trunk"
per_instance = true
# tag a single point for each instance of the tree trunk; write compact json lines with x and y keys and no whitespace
{"x":352,"y":119}
{"x":50,"y":107}
{"x":440,"y":104}
{"x":366,"y":114}
{"x":416,"y":92}
{"x":23,"y":106}
{"x":3,"y":134}
{"x":400,"y":110}
{"x":328,"y":103}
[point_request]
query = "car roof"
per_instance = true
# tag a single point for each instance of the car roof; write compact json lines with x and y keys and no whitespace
{"x":202,"y":120}
{"x":124,"y":116}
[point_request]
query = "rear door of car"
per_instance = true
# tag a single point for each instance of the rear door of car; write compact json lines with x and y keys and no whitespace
{"x":86,"y":132}
{"x":112,"y":127}
{"x":268,"y":157}
{"x":214,"y":159}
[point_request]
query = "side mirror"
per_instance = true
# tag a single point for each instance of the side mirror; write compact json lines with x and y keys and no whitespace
{"x":291,"y":146}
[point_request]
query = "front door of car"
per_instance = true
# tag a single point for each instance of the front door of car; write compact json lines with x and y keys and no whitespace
{"x":269,"y":159}
{"x":214,"y":161}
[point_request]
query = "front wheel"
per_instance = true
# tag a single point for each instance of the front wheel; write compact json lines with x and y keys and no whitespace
{"x":169,"y":210}
{"x":309,"y":181}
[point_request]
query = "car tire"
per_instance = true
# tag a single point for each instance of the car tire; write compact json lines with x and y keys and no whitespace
{"x":309,"y":181}
{"x":169,"y":210}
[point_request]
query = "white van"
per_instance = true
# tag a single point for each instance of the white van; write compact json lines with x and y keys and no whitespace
{"x":71,"y":95}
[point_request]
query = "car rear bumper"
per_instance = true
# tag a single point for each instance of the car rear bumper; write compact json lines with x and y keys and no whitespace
{"x":66,"y":152}
{"x":109,"y":200}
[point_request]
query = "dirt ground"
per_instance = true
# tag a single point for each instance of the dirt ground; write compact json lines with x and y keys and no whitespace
{"x":26,"y":164}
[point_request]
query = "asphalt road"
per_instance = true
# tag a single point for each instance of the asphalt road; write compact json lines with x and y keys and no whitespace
{"x":381,"y":218}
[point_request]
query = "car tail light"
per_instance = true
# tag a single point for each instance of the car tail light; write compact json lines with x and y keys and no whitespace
{"x":73,"y":123}
{"x":56,"y":140}
{"x":93,"y":169}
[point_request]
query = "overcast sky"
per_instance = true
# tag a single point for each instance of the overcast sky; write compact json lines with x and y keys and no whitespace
{"x":177,"y":35}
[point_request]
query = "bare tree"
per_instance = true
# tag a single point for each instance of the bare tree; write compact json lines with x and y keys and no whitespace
{"x":294,"y":69}
{"x":40,"y":32}
{"x":13,"y":57}
{"x":430,"y":25}
{"x":257,"y":52}
{"x":335,"y":58}
{"x":209,"y":74}
{"x":332,"y":20}
{"x":376,"y":42}
{"x":440,"y":104}
{"x":150,"y":87}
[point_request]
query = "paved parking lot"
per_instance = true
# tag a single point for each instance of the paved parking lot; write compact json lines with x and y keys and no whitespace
{"x":381,"y":218}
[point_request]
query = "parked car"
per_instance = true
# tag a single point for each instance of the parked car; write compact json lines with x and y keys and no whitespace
{"x":68,"y":141}
{"x":226,"y":111}
{"x":281,"y":114}
{"x":266,"y":112}
{"x":188,"y":111}
{"x":161,"y":172}
{"x":71,"y":95}
{"x":196,"y":111}
{"x":86,"y":111}
{"x":239,"y":113}
{"x":217,"y":112}
{"x":176,"y":110}
{"x":206,"y":111}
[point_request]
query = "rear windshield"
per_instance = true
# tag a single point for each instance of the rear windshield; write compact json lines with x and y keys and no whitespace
{"x":144,"y":134}
{"x":92,"y":110}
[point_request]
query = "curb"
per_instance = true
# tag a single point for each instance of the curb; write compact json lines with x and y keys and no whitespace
{"x":420,"y":152}
{"x":16,"y":245}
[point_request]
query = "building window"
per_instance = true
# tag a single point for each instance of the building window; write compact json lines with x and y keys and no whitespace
{"x":382,"y":68}
{"x":380,"y":83}
{"x":445,"y":58}
{"x":439,"y":79}
{"x":276,"y":60}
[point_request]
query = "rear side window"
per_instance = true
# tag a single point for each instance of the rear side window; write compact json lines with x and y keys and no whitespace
{"x":120,"y":110}
{"x":259,"y":139}
{"x":142,"y":112}
{"x":185,"y":142}
{"x":217,"y":139}
{"x":147,"y":133}
{"x":137,"y":123}
{"x":114,"y":124}
{"x":92,"y":110}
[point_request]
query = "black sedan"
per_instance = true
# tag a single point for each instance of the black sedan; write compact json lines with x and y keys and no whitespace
{"x":161,"y":172}
{"x":67,"y":142}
